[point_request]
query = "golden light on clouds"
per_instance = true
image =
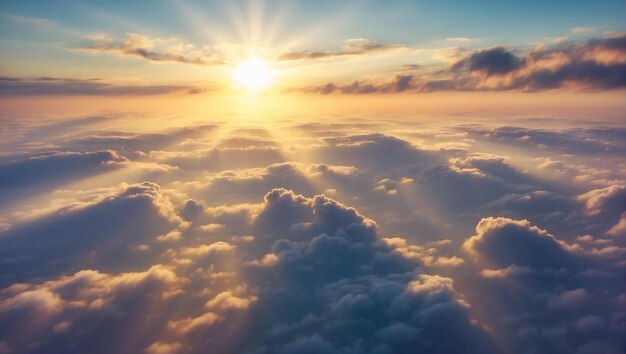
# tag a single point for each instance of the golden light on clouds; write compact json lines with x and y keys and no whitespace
{"x":283,"y":176}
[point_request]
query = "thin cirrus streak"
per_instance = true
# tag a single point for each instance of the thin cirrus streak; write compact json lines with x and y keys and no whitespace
{"x":297,"y":177}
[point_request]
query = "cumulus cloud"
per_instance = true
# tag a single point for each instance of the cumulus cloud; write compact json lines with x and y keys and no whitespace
{"x":327,"y":274}
{"x":206,"y":249}
{"x":69,"y":303}
{"x":504,"y":241}
{"x":607,"y":199}
{"x":227,"y":301}
{"x":186,"y":325}
{"x":87,"y":234}
{"x":618,"y":229}
{"x":347,"y":235}
{"x":559,"y":315}
{"x":330,"y":251}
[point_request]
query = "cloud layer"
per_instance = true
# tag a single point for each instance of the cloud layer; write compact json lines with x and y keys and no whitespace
{"x":339,"y":235}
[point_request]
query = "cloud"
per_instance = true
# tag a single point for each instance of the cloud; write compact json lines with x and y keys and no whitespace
{"x":57,"y":166}
{"x":501,"y":242}
{"x":343,"y":235}
{"x":494,"y":61}
{"x":85,"y":234}
{"x":227,"y":301}
{"x":329,"y":275}
{"x":607,"y":206}
{"x":580,"y":30}
{"x":359,"y":287}
{"x":186,"y":325}
{"x":141,"y":46}
{"x":128,"y":142}
{"x":372,"y":152}
{"x":164,"y":348}
{"x":70,"y":86}
{"x":239,"y":185}
{"x":219,"y":159}
{"x":462,"y":40}
{"x":401,"y":83}
{"x":598,"y":64}
{"x":619,"y":229}
{"x":69,"y":303}
{"x":560,"y":302}
{"x":570,"y":141}
{"x":595,"y":64}
{"x":427,"y":255}
{"x":357,"y":46}
{"x":206,"y":249}
{"x":481,"y":179}
{"x":607,"y":199}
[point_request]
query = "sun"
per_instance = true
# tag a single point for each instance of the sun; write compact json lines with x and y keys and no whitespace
{"x":253,"y":74}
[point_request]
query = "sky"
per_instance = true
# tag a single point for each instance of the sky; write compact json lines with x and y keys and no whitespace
{"x":163,"y":47}
{"x":328,"y":177}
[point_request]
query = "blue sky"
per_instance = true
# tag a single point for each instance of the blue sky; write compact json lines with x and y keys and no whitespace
{"x":402,"y":21}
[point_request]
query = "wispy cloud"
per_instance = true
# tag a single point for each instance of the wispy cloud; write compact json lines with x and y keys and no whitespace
{"x":141,"y":46}
{"x":579,"y":30}
{"x":357,"y":46}
{"x":461,"y":40}
{"x":15,"y":86}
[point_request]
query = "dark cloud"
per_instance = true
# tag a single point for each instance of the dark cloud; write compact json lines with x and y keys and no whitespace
{"x":596,"y":64}
{"x":494,"y":61}
{"x":599,"y":64}
{"x":327,"y":273}
{"x":403,"y":83}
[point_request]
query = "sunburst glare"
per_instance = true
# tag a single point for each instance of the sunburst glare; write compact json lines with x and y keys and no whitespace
{"x":253,"y":74}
